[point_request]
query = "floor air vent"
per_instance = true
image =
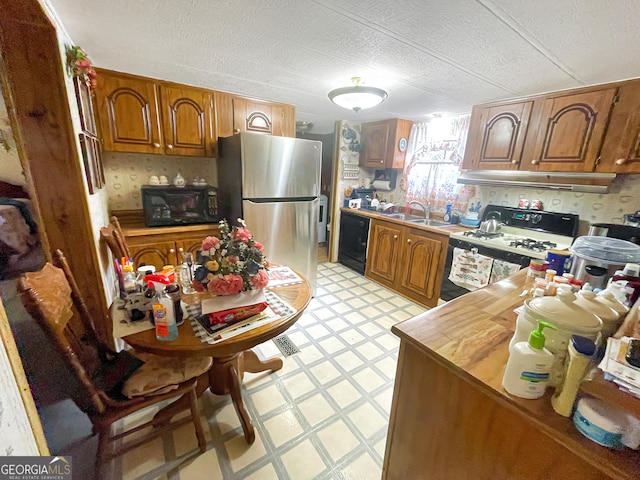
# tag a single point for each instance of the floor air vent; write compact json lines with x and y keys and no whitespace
{"x":286,"y":346}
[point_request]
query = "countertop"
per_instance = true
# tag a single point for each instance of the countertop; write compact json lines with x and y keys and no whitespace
{"x":132,"y":223}
{"x":470,"y":336}
{"x":444,"y":229}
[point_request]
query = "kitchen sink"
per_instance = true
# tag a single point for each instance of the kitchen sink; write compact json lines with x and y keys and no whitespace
{"x":430,"y":222}
{"x":403,"y":216}
{"x":417,"y":219}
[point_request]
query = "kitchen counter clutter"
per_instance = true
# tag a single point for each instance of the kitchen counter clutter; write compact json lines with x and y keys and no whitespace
{"x":449,"y":395}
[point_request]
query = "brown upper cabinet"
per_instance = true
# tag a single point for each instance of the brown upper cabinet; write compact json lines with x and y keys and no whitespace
{"x":128,"y":113}
{"x":142,"y":115}
{"x":187,"y":121}
{"x":384,"y":143}
{"x":621,"y":148}
{"x":496,"y":136}
{"x":237,"y":114}
{"x":558,"y":132}
{"x":570,"y":131}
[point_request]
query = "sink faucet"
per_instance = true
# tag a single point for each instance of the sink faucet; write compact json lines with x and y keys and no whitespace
{"x":426,"y":208}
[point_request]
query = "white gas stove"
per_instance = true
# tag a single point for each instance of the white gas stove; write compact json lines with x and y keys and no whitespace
{"x":531,"y":243}
{"x":523,"y":235}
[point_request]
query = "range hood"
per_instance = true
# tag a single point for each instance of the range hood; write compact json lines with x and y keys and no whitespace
{"x":575,"y":182}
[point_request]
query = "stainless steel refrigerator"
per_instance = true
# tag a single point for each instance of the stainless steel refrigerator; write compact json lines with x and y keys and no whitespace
{"x":273,"y":183}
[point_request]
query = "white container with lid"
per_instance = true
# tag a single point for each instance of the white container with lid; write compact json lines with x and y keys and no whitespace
{"x":569,"y":319}
{"x":609,"y":299}
{"x":610,"y":318}
{"x":601,"y":422}
{"x":596,"y":259}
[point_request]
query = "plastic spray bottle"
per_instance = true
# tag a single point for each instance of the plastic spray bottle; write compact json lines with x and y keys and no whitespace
{"x":527,"y":371}
{"x":163,"y":314}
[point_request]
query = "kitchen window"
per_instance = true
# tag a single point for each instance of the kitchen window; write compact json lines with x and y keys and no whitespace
{"x":434,"y":156}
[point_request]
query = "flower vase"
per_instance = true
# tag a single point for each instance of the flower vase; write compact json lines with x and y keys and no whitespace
{"x":212,"y":303}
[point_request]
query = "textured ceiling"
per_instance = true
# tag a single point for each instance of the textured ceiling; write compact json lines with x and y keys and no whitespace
{"x":430,"y":55}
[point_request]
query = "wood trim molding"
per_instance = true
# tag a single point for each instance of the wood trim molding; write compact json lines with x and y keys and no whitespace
{"x":34,"y":82}
{"x":183,"y":85}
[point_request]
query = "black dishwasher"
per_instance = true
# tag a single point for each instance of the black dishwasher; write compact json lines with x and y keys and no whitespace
{"x":354,"y":233}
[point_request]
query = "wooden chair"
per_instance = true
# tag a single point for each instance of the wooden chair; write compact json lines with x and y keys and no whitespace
{"x":49,"y":296}
{"x":113,"y":236}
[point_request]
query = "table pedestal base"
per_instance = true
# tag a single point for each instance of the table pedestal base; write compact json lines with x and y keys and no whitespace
{"x":225,"y":377}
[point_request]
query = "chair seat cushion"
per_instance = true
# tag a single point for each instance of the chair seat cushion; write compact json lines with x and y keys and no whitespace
{"x":162,"y":374}
{"x":112,"y":374}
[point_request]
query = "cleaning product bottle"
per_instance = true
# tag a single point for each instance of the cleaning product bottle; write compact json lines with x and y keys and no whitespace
{"x":527,"y":371}
{"x":581,"y":351}
{"x":447,"y":214}
{"x":163,"y":313}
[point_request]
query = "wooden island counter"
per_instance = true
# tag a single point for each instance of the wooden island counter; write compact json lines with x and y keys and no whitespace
{"x":451,"y":419}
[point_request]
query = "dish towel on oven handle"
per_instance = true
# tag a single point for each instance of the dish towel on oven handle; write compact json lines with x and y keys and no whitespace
{"x":470,"y":270}
{"x":502,"y":270}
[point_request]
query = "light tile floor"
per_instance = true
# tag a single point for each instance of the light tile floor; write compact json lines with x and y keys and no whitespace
{"x":323,"y":415}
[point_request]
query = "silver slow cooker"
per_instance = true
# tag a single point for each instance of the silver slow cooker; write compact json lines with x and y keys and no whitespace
{"x":596,"y":259}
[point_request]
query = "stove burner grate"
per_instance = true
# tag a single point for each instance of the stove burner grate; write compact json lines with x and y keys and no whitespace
{"x":481,"y":234}
{"x":531,"y":244}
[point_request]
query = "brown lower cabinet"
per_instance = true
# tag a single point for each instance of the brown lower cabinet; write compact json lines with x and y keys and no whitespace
{"x":165,"y":247}
{"x":407,"y":260}
{"x":445,"y":426}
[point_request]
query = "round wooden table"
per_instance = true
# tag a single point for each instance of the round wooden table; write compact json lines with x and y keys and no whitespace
{"x":232,"y":357}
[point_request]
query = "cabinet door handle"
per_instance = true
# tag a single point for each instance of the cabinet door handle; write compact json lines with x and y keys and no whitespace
{"x":514,"y":161}
{"x":156,"y":145}
{"x":181,"y":249}
{"x":381,"y":161}
{"x":408,"y":240}
{"x":621,"y":161}
{"x":534,"y":162}
{"x":172,"y":250}
{"x":237,"y":130}
{"x":395,"y":237}
{"x":169,"y":146}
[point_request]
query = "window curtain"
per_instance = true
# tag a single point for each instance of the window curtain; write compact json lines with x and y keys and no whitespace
{"x":434,"y":155}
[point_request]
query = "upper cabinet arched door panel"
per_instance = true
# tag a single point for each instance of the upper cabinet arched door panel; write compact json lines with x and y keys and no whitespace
{"x":129,"y":117}
{"x":571,"y":130}
{"x":498,"y":139}
{"x":186,"y":117}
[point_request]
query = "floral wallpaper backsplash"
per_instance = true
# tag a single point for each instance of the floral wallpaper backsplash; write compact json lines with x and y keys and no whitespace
{"x":623,"y":197}
{"x":125,"y":173}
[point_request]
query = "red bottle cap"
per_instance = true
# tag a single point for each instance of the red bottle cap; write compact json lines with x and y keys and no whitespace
{"x":157,"y":278}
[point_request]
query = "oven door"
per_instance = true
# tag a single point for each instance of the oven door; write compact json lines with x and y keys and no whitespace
{"x":450,"y":290}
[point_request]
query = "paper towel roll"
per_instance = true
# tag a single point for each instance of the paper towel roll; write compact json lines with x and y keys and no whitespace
{"x":381,"y":185}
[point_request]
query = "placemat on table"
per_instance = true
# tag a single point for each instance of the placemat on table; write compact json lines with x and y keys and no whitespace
{"x":278,"y":308}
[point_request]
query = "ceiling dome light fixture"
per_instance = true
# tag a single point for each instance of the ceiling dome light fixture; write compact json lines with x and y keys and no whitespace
{"x":358,"y":96}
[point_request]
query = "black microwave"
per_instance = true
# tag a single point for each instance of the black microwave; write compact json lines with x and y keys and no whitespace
{"x":165,"y":205}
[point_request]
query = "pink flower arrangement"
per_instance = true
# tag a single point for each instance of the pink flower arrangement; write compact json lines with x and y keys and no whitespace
{"x":231,"y":264}
{"x":226,"y":284}
{"x":260,"y":280}
{"x":79,"y":65}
